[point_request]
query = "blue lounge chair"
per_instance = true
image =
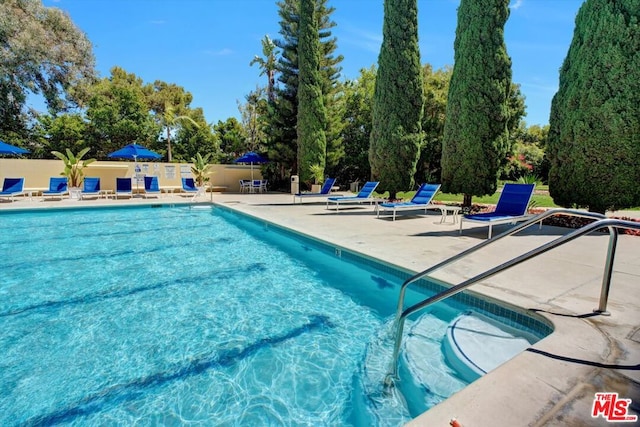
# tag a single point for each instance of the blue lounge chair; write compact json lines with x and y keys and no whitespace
{"x":324,"y":191}
{"x":12,"y":187}
{"x":151,"y":186}
{"x":189,"y":186}
{"x":57,"y":188}
{"x":123,"y":187}
{"x":90,"y":187}
{"x":420,"y":201}
{"x":511,"y":208}
{"x":363,"y":196}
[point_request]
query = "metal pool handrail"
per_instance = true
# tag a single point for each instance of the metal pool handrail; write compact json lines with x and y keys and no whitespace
{"x":602,"y":222}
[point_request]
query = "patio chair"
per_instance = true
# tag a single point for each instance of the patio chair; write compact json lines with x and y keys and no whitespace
{"x":256,"y":186}
{"x":511,"y":208}
{"x":151,"y":186}
{"x":12,"y":187}
{"x":245,"y":185}
{"x":57,"y":188}
{"x":123,"y":187}
{"x":324,"y":191}
{"x":420,"y":201}
{"x":363,"y":196}
{"x":189,"y":186}
{"x":90,"y":187}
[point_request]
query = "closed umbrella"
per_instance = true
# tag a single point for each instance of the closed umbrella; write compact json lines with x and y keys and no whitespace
{"x":135,"y":152}
{"x":251,"y":157}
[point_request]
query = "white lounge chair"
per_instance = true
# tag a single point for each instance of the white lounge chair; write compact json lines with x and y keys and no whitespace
{"x":363,"y":196}
{"x":511,"y":208}
{"x":420,"y":201}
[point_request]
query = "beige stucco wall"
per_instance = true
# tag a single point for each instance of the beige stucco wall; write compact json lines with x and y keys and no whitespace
{"x":37,"y":173}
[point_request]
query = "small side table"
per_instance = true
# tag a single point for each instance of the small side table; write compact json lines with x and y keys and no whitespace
{"x":447,"y":210}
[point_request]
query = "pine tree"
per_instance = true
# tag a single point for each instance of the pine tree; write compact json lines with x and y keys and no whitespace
{"x":282,"y":133}
{"x":398,"y":101}
{"x":594,"y":134}
{"x":312,"y":143}
{"x":476,"y":137}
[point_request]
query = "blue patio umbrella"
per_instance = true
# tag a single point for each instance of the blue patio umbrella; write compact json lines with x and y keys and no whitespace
{"x":135,"y":152}
{"x":251,"y":157}
{"x":11,"y":149}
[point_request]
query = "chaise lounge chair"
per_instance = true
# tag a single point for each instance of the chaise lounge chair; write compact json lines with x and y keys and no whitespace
{"x":324,"y":191}
{"x":90,"y":187}
{"x":421,"y":200}
{"x":151,"y":186}
{"x":511,"y":208}
{"x":57,"y":188}
{"x":12,"y":187}
{"x":189,"y":186}
{"x":363,"y":196}
{"x":123,"y":187}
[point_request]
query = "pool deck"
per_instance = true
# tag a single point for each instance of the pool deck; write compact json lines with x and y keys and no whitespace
{"x":551,"y":384}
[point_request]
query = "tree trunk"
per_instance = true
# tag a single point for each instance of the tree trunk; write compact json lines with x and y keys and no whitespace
{"x":168,"y":145}
{"x":466,"y":201}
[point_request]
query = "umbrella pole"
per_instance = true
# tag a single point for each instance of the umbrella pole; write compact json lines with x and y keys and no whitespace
{"x":135,"y":172}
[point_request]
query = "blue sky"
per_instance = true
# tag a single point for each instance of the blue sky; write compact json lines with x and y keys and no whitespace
{"x":206,"y":46}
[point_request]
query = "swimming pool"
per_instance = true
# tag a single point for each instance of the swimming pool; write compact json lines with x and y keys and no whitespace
{"x":178,"y":316}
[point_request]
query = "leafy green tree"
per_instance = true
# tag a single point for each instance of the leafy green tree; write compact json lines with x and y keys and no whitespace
{"x":527,"y":152}
{"x":253,"y":113}
{"x":170,"y":120}
{"x":357,"y":96}
{"x":312,"y":142}
{"x":232,"y":137}
{"x":44,"y":53}
{"x":436,"y":88}
{"x":476,"y":137}
{"x":64,"y":131}
{"x":191,"y":140}
{"x":398,"y":102}
{"x":594,"y":135}
{"x":170,"y":104}
{"x":119,"y":114}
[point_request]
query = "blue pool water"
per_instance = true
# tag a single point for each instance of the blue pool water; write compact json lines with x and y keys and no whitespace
{"x":176,"y":316}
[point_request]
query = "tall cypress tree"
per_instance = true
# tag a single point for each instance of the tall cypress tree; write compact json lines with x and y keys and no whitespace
{"x":396,"y":133}
{"x":312,"y":142}
{"x":476,"y":127}
{"x":594,"y":126}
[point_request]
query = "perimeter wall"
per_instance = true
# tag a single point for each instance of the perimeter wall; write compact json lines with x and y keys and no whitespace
{"x":37,"y":173}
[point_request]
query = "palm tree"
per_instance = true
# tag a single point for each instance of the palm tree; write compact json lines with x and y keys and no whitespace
{"x":268,"y":64}
{"x":170,"y":120}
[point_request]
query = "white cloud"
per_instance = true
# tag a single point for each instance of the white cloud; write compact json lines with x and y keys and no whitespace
{"x":158,"y":22}
{"x":515,"y":4}
{"x":221,"y":52}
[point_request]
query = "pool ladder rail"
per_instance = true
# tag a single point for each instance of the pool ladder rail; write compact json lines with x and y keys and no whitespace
{"x":600,"y":222}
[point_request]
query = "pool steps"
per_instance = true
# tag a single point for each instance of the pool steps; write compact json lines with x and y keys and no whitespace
{"x":430,"y":367}
{"x":476,"y":344}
